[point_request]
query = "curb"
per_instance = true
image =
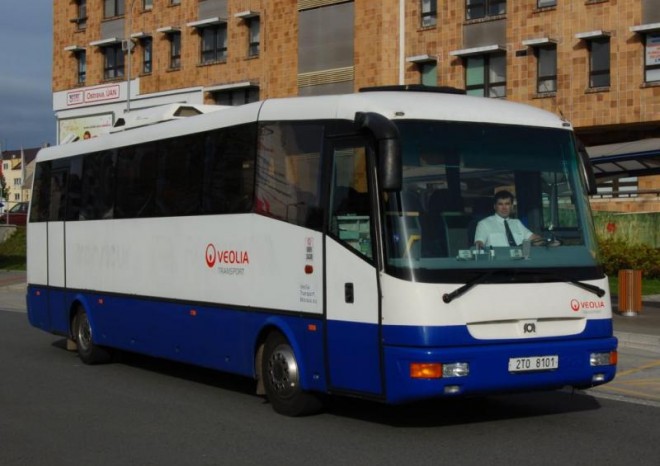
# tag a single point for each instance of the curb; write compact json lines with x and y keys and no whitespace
{"x":639,"y":341}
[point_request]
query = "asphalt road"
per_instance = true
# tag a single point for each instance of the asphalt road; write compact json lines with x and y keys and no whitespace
{"x":141,"y":411}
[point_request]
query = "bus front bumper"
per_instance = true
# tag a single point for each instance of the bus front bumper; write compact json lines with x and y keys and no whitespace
{"x":423,"y":373}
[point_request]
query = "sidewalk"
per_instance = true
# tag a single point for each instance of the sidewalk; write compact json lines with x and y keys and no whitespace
{"x":640,"y":331}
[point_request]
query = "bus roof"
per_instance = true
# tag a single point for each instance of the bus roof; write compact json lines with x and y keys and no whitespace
{"x":396,"y":105}
{"x":411,"y":106}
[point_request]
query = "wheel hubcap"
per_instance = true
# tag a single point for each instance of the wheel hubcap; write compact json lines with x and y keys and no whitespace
{"x":283,"y":371}
{"x":84,"y":332}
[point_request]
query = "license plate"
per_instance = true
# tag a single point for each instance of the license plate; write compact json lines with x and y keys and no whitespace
{"x":534,"y":363}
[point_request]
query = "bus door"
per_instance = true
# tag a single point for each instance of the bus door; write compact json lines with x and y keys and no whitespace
{"x":352,"y":298}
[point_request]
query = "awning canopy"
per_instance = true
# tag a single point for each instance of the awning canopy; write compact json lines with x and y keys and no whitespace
{"x":634,"y":158}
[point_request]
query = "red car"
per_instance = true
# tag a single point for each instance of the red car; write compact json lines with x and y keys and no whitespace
{"x":17,"y":215}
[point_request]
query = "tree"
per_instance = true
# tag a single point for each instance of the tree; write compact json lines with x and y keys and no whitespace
{"x":4,"y":189}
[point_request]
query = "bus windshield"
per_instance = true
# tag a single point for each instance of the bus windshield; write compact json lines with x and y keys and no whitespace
{"x":453,"y":175}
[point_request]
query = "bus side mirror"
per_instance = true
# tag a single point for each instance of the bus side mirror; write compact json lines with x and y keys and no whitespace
{"x":587,"y":169}
{"x":386,"y":134}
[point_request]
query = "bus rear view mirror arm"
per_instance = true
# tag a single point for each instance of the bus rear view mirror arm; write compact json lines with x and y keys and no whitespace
{"x":389,"y":148}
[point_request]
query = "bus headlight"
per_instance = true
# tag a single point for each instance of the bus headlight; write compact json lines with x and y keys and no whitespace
{"x":457,"y":369}
{"x":603,"y":359}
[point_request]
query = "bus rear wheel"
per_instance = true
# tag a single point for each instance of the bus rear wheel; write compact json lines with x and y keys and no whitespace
{"x":88,"y":351}
{"x":281,"y":379}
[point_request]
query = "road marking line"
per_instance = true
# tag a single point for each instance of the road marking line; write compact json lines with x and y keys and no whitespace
{"x":639,"y":369}
{"x":623,"y":398}
{"x":639,"y":382}
{"x":634,"y":393}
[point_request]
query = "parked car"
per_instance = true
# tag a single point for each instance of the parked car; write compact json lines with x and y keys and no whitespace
{"x":17,"y":215}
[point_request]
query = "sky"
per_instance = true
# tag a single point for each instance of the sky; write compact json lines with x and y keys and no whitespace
{"x":26,"y":101}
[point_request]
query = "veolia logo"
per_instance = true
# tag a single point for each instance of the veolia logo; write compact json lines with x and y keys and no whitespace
{"x":587,"y":305}
{"x":226,"y":257}
{"x":211,"y":254}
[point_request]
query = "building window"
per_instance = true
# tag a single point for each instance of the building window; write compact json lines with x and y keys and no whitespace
{"x":236,"y":96}
{"x":428,"y":73}
{"x":147,"y":4}
{"x":175,"y":50}
{"x":546,"y":3}
{"x":485,"y":75}
{"x":651,"y":58}
{"x":81,"y":18}
{"x":18,"y":181}
{"x":112,"y":8}
{"x":214,"y":43}
{"x":599,"y":62}
{"x":113,"y":57}
{"x":429,"y":13}
{"x":546,"y":69}
{"x":254,"y":41}
{"x":475,"y":9}
{"x":175,"y":2}
{"x":147,"y":57}
{"x":81,"y":59}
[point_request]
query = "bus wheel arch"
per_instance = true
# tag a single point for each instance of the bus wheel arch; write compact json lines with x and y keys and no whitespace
{"x":280,"y":379}
{"x":82,"y":334}
{"x":270,"y":326}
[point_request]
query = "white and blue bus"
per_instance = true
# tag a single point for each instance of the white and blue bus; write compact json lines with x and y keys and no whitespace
{"x":325,"y":245}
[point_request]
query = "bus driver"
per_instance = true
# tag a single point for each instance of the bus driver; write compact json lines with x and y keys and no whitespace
{"x":499,"y":230}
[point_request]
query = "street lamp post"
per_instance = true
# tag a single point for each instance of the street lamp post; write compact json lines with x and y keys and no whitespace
{"x":129,"y":51}
{"x":402,"y":42}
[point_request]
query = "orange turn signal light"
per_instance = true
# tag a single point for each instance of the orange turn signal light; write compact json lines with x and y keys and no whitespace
{"x":425,"y":370}
{"x":614,"y":358}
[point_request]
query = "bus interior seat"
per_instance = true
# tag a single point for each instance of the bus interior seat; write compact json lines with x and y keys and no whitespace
{"x":447,"y":224}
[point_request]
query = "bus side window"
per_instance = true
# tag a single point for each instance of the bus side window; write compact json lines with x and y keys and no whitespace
{"x":98,"y":186}
{"x":228,"y":170}
{"x":59,"y":186}
{"x":179,"y":180}
{"x":289,"y":172}
{"x":40,"y":193}
{"x":136,"y":181}
{"x":75,"y":189}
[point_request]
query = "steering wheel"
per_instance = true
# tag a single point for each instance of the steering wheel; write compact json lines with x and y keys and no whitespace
{"x":551,"y":243}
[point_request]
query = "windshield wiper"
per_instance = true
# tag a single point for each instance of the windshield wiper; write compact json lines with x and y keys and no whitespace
{"x":449,"y":297}
{"x":598,"y":291}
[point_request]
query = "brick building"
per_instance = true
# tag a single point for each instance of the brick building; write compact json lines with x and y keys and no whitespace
{"x":597,"y":62}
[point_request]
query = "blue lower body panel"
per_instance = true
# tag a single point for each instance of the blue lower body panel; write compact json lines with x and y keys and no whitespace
{"x":362,"y":359}
{"x":217,"y":337}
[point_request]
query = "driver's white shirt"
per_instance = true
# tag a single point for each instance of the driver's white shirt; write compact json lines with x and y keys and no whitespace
{"x":491,"y":231}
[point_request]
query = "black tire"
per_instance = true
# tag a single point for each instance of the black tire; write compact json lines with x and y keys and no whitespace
{"x":282,"y":379}
{"x":88,"y":351}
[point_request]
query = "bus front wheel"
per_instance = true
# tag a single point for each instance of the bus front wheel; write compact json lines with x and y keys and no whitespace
{"x":88,"y":351}
{"x":281,"y":379}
